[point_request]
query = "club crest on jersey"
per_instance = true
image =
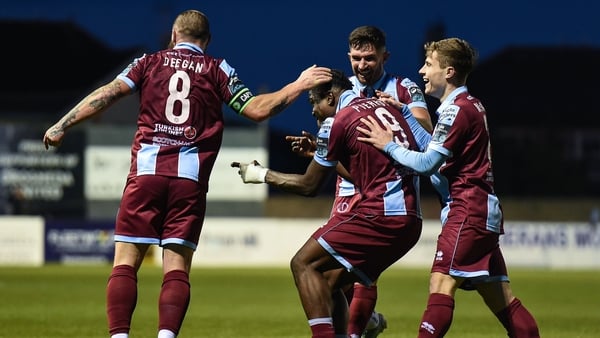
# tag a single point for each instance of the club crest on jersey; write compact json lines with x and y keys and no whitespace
{"x":189,"y":132}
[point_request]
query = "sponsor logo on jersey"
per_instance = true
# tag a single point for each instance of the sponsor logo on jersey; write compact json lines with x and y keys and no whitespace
{"x":168,"y":129}
{"x":235,"y":85}
{"x":323,"y":137}
{"x":445,"y":121}
{"x":416,"y":94}
{"x":322,"y":143}
{"x":440,"y":133}
{"x":449,"y":114}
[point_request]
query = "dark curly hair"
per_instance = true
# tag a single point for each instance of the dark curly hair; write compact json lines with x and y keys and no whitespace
{"x":339,"y":80}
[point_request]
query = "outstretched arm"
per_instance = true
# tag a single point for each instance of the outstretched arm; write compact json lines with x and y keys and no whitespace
{"x":96,"y":102}
{"x":425,"y":163}
{"x":307,"y":184}
{"x":266,"y":105}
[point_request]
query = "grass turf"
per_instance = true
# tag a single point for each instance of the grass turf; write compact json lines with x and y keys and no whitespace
{"x":68,"y":301}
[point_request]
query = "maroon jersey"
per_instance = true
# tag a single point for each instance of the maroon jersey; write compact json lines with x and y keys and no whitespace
{"x":386,"y":187}
{"x":461,"y":133}
{"x":401,"y":89}
{"x":180,"y":124}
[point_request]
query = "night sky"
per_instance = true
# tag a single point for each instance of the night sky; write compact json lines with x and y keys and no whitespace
{"x":270,"y":43}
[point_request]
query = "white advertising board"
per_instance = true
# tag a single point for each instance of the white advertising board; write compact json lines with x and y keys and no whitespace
{"x":106,"y":169}
{"x":22,"y":240}
{"x":273,"y":242}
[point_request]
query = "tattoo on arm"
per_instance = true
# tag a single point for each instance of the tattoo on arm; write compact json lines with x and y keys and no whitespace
{"x":94,"y":103}
{"x":279,"y":108}
{"x":105,"y":96}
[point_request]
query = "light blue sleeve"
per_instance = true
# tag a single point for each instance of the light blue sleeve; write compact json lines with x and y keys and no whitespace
{"x":123,"y":75}
{"x":425,"y":163}
{"x":421,"y":135}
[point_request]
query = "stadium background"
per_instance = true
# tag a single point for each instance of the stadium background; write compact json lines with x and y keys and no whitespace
{"x":539,"y":98}
{"x":536,"y":76}
{"x":545,"y":126}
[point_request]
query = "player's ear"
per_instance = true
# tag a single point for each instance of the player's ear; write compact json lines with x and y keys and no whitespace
{"x":386,"y":56}
{"x":331,"y":99}
{"x":173,"y":37}
{"x":450,"y":72}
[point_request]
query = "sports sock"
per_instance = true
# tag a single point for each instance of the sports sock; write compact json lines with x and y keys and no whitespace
{"x":121,"y":298}
{"x":517,"y":321}
{"x":120,"y":335}
{"x":166,"y":334}
{"x":361,"y":308}
{"x":173,"y":300}
{"x":437,"y":317}
{"x":321,"y":327}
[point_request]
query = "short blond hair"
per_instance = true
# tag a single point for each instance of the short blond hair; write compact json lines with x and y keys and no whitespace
{"x":193,"y":24}
{"x":456,"y":53}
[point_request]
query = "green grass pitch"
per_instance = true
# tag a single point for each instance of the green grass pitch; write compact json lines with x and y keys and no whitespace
{"x":68,"y":301}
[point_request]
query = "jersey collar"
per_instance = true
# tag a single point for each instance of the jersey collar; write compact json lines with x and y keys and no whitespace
{"x":450,"y":98}
{"x":187,"y":45}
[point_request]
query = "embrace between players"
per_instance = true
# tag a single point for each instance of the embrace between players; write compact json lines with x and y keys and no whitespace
{"x":380,"y":146}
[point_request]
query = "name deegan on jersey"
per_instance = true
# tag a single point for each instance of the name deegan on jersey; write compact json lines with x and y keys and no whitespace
{"x":183,"y":64}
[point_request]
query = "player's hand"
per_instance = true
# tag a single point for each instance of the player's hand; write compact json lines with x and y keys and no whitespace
{"x":53,"y":136}
{"x":374,"y":134}
{"x":304,"y":145}
{"x":251,"y":172}
{"x":389,"y":99}
{"x":314,"y":76}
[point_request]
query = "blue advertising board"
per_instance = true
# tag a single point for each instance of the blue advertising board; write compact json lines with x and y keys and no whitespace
{"x":79,"y":241}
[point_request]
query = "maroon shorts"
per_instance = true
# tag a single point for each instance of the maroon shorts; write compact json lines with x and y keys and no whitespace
{"x":469,"y":251}
{"x":161,"y":210}
{"x":367,"y":244}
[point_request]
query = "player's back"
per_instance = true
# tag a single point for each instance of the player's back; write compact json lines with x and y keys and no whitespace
{"x":180,"y":124}
{"x":387,"y":187}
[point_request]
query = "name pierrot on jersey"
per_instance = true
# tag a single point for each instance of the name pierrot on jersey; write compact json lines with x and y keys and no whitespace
{"x":368,"y":104}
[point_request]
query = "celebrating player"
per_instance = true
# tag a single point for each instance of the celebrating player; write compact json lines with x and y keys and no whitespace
{"x":468,"y":254}
{"x":383,"y":226}
{"x":367,"y":55}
